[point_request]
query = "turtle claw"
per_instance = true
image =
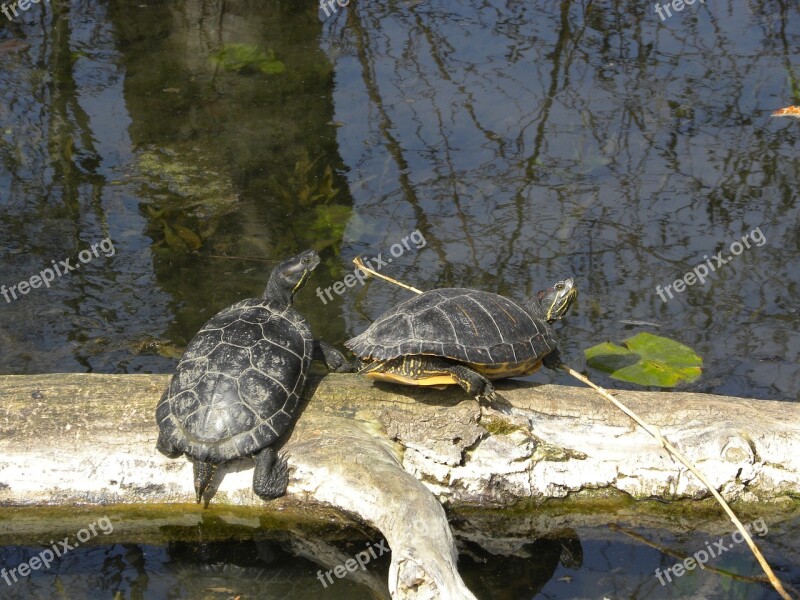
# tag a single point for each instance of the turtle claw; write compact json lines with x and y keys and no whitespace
{"x":346,"y":367}
{"x":488,"y":396}
{"x":203,"y":474}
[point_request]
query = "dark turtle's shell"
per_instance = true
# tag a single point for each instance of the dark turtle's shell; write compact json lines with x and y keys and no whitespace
{"x":238,"y":385}
{"x":471,"y":326}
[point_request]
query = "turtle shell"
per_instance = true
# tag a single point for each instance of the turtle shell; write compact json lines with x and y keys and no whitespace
{"x":487,"y":331}
{"x":238,"y":385}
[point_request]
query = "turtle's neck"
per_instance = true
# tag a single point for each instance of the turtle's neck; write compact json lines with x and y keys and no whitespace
{"x":534,"y":307}
{"x":278,"y":293}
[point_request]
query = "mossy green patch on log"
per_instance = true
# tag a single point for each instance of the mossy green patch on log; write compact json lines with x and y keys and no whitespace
{"x":162,"y":523}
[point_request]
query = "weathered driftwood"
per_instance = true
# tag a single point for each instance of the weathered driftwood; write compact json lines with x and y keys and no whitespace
{"x":377,"y":452}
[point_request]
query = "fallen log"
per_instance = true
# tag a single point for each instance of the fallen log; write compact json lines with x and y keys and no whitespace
{"x":378,"y":451}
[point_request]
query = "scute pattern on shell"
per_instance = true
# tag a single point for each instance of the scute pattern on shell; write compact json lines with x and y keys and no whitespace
{"x":237,"y":387}
{"x":467,"y":325}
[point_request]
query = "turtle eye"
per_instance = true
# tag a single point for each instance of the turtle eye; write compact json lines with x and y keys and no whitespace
{"x":306,"y":260}
{"x":560,"y":285}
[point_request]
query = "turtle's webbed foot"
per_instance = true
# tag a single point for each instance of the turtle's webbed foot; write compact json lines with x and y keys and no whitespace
{"x":271,"y":476}
{"x":472,"y":382}
{"x":346,"y":367}
{"x":333,"y":359}
{"x":483,"y":390}
{"x":488,"y":395}
{"x":337,"y":363}
{"x":494,"y":400}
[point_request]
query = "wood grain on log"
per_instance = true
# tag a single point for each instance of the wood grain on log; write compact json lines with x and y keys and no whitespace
{"x":378,"y":451}
{"x":91,"y":439}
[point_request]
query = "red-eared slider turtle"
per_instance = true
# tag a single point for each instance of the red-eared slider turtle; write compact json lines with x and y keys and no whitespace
{"x":463,"y":336}
{"x":238,"y":386}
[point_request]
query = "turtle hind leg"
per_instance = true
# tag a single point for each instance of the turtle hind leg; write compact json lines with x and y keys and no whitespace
{"x":407,"y":369}
{"x":271,"y":475}
{"x":203,"y":473}
{"x":471,"y":381}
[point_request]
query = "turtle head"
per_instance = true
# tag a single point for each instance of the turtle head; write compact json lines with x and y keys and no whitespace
{"x":291,"y":275}
{"x":553,"y":303}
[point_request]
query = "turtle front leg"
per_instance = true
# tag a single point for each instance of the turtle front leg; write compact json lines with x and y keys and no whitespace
{"x":553,"y":360}
{"x":271,"y":475}
{"x":333,"y":359}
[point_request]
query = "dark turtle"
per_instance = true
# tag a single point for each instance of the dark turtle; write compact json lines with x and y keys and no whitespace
{"x":463,"y":336}
{"x":238,"y":386}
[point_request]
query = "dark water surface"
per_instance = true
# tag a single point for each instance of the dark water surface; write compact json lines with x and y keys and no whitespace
{"x":591,"y":563}
{"x":510,"y":143}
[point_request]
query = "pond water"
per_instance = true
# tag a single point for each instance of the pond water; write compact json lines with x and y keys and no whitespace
{"x":226,"y":554}
{"x":510,"y":144}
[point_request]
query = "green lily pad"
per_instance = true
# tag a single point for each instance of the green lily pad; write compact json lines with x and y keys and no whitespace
{"x":646,"y":359}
